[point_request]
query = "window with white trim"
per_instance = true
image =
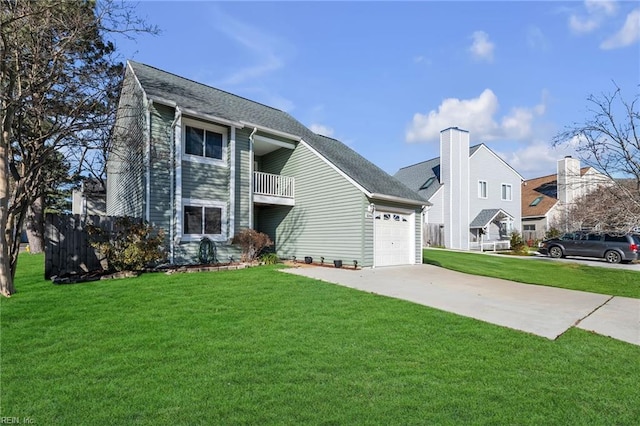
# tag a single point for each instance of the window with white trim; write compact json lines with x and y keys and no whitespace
{"x":506,"y":192}
{"x":203,"y":218}
{"x":482,"y":189}
{"x":204,"y":143}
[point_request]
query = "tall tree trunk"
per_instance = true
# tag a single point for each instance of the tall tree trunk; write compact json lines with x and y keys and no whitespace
{"x":7,"y":287}
{"x":35,"y":225}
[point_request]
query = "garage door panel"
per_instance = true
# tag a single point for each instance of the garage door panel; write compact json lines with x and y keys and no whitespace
{"x":393,"y":237}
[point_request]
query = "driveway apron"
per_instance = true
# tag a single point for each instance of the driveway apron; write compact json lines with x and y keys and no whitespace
{"x":540,"y":310}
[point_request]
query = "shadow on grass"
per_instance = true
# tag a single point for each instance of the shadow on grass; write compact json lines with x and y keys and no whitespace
{"x":431,"y":262}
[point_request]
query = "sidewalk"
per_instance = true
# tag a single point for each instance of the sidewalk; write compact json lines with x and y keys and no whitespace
{"x":540,"y":310}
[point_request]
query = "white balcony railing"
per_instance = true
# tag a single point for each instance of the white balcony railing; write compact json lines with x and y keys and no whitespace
{"x":273,"y":185}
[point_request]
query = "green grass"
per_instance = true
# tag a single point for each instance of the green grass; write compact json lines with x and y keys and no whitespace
{"x":574,"y":276}
{"x":259,"y":346}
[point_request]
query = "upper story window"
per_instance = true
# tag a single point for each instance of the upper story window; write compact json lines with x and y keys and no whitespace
{"x":482,"y":189}
{"x":506,"y":192}
{"x":205,"y":143}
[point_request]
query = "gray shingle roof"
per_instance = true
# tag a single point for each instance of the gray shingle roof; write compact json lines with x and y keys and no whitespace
{"x":485,"y":216}
{"x":208,"y":100}
{"x":417,"y":175}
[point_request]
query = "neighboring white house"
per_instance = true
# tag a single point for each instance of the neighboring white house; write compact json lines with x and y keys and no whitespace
{"x":90,"y":198}
{"x":546,"y":199}
{"x":475,"y":194}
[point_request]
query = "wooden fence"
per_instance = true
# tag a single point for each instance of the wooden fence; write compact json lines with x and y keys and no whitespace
{"x":67,"y":247}
{"x":433,"y":235}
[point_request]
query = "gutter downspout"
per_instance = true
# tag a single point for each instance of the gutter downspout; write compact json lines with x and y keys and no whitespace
{"x":172,"y":187}
{"x":255,"y":129}
{"x":372,"y":207}
{"x":147,"y":162}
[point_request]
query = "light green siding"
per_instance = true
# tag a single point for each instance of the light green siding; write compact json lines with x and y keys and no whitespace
{"x":328,"y":218}
{"x":125,"y":165}
{"x":243,"y":180}
{"x":205,"y":181}
{"x":160,"y":208}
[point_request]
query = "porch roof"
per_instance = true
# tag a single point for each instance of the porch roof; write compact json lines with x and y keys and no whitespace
{"x":487,"y":216}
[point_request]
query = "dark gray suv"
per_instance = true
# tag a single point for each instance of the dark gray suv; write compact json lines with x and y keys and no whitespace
{"x":614,"y":248}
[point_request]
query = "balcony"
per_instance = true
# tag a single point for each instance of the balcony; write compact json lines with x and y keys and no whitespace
{"x":273,"y":189}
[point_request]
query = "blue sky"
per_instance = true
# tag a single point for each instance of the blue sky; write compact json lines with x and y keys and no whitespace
{"x":386,"y":77}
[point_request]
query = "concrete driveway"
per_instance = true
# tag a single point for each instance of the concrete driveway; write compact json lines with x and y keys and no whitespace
{"x":540,"y":310}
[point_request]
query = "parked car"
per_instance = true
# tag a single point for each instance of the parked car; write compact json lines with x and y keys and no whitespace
{"x":614,"y":248}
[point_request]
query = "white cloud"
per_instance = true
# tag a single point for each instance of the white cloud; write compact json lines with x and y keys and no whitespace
{"x":536,"y":38}
{"x":321,"y":130}
{"x":627,"y":35}
{"x":482,"y":48}
{"x":538,"y":158}
{"x":597,"y":12}
{"x":265,"y":49}
{"x":607,"y":7}
{"x":535,"y":159}
{"x":582,"y":25}
{"x":477,"y":115}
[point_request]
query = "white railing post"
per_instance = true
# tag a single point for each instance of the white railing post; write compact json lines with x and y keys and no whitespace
{"x":273,"y":185}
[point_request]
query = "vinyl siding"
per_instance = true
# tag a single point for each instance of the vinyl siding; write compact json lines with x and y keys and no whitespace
{"x":243,"y":180}
{"x":125,"y":166}
{"x":436,"y":211}
{"x":484,"y":165}
{"x":327,"y":220}
{"x":454,"y":161}
{"x":160,"y":208}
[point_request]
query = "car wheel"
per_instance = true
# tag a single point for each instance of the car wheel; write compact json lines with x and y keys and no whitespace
{"x":555,"y":252}
{"x":612,"y":256}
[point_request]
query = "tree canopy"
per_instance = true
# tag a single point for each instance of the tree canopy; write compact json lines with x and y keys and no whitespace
{"x":609,"y":141}
{"x":59,"y":82}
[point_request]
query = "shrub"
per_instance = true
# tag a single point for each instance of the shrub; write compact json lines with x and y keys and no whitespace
{"x":251,"y":242}
{"x":518,"y":245}
{"x":552,"y":233}
{"x":269,"y":258}
{"x":132,"y":246}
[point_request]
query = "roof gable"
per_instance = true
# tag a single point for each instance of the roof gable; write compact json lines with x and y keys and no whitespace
{"x":480,"y":146}
{"x":416,"y":175}
{"x":161,"y":85}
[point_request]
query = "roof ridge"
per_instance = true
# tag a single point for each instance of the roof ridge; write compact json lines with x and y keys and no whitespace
{"x":434,"y":158}
{"x":206,"y":85}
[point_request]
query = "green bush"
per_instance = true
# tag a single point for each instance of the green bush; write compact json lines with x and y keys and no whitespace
{"x":518,"y":245}
{"x":269,"y":258}
{"x":552,"y":233}
{"x":132,"y":246}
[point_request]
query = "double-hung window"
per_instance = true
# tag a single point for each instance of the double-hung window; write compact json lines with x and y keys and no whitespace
{"x":203,"y":218}
{"x":506,"y":192}
{"x":482,"y":189}
{"x":205,"y":143}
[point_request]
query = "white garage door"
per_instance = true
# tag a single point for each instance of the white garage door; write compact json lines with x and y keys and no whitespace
{"x":393,"y":242}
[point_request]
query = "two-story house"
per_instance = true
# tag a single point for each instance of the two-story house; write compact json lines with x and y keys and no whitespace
{"x":198,"y":161}
{"x":546,"y":200}
{"x":475,"y":195}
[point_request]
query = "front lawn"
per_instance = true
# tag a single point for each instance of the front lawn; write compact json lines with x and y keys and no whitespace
{"x":258,"y":346}
{"x":573,"y":276}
